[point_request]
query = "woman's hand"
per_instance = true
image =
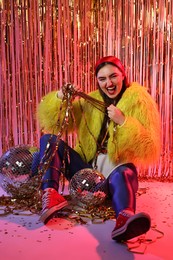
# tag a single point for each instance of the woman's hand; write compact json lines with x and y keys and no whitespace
{"x":68,"y":90}
{"x":60,"y":94}
{"x":116,"y":115}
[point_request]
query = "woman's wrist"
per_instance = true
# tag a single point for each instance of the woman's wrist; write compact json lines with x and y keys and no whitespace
{"x":123,"y":122}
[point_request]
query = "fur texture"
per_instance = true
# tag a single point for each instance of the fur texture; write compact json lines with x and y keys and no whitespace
{"x":137,"y":141}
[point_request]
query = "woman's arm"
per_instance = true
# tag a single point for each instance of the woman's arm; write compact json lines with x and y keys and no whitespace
{"x":138,"y":138}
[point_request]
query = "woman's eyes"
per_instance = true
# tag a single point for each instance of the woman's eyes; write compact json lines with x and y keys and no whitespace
{"x":114,"y":76}
{"x":110,"y":77}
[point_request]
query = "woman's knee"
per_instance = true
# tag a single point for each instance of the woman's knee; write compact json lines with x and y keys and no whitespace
{"x":116,"y":176}
{"x":53,"y":142}
{"x":47,"y":138}
{"x":124,"y":174}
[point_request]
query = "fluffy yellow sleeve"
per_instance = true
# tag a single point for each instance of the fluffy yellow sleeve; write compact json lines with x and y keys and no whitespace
{"x":138,"y":140}
{"x":49,"y":110}
{"x":51,"y":113}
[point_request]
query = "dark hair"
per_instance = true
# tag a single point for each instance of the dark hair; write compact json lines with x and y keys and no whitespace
{"x":102,"y":65}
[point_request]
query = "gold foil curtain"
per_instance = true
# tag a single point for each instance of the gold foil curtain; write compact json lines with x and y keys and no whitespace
{"x":46,"y":43}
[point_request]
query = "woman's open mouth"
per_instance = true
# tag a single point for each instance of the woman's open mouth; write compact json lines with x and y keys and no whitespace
{"x":111,"y":90}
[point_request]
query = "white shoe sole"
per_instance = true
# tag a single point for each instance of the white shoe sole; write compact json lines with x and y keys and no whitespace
{"x":47,"y":213}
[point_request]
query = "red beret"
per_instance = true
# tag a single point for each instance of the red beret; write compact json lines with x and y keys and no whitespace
{"x":110,"y":59}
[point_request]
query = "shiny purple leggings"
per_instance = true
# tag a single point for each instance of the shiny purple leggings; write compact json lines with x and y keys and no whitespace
{"x":121,"y":185}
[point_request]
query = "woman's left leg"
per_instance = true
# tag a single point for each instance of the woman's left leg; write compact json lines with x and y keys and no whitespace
{"x":122,"y":185}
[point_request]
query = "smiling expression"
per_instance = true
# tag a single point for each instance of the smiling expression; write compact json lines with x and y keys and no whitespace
{"x":110,"y":80}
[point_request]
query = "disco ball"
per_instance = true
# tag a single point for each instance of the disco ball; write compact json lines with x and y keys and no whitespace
{"x":15,"y":166}
{"x":86,"y":186}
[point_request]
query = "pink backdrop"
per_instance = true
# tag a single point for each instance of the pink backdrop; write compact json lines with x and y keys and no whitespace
{"x":46,"y":43}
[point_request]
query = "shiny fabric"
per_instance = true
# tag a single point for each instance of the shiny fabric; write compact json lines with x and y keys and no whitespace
{"x":73,"y":161}
{"x":121,"y":185}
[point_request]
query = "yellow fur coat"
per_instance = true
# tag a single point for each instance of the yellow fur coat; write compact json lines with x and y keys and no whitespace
{"x":136,"y":141}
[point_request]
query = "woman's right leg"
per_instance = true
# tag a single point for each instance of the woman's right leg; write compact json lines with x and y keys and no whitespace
{"x":52,"y":201}
{"x":66,"y":160}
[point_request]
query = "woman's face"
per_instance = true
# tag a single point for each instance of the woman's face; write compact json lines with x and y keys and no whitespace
{"x":110,"y":80}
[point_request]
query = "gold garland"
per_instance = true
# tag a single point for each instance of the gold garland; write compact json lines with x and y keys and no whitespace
{"x":28,"y":195}
{"x":69,"y":94}
{"x":27,"y":198}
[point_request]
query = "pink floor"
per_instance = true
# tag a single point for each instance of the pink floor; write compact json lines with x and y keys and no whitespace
{"x":23,"y":237}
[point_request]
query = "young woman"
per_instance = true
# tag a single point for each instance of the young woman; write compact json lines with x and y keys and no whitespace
{"x":117,"y":137}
